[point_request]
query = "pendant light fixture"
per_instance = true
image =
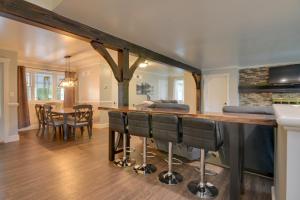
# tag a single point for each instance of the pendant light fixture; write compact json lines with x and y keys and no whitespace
{"x":69,"y":81}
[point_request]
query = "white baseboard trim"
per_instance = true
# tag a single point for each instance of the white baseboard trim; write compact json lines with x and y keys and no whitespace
{"x":35,"y":126}
{"x":31,"y":127}
{"x":105,"y":125}
{"x":12,"y":138}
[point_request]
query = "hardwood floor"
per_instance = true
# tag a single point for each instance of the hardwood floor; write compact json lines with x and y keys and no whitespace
{"x":38,"y":168}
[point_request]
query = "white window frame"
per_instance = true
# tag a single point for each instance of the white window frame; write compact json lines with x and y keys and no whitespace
{"x":175,"y":90}
{"x":54,"y":74}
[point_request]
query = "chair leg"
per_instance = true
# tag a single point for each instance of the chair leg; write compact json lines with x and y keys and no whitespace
{"x":47,"y":130}
{"x":43,"y":129}
{"x":170,"y":177}
{"x":125,"y":161}
{"x":89,"y":131}
{"x":144,"y":168}
{"x":38,"y":131}
{"x":54,"y":134}
{"x":81,"y":130}
{"x":74,"y":132}
{"x":201,"y":188}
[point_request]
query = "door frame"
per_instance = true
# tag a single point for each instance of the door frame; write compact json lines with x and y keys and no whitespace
{"x":4,"y":135}
{"x":205,"y":77}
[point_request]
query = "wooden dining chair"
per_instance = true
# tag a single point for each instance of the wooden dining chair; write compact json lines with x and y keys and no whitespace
{"x":83,"y":117}
{"x":55,"y":105}
{"x":39,"y":110}
{"x":51,"y":120}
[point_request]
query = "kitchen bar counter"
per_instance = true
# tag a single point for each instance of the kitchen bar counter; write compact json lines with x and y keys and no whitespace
{"x":287,"y":148}
{"x":235,"y":123}
{"x":268,"y":120}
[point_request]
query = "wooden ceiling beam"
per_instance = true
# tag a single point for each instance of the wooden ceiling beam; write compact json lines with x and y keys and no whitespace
{"x":105,"y":54}
{"x":26,"y":12}
{"x":135,"y":65}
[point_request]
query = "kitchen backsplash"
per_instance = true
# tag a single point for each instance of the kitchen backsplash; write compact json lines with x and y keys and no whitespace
{"x":259,"y":76}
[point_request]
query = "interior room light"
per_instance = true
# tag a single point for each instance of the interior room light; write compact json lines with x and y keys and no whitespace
{"x":283,"y":80}
{"x":143,"y":64}
{"x":68,"y":81}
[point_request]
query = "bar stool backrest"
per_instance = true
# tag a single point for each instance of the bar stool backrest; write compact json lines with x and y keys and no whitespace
{"x":139,"y":124}
{"x":201,"y":133}
{"x":117,"y":121}
{"x":165,"y":127}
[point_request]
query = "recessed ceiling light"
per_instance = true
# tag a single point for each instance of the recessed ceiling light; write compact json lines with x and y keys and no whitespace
{"x":283,"y":80}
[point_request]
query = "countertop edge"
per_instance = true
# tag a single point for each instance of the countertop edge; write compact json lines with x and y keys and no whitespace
{"x":285,"y":115}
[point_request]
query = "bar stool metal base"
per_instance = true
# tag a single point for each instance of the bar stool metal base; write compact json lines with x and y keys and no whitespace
{"x":144,"y":169}
{"x":123,"y":162}
{"x":207,"y":192}
{"x":170,"y":178}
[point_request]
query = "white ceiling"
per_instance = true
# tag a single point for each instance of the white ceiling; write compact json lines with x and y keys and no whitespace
{"x":203,"y":33}
{"x":42,"y":48}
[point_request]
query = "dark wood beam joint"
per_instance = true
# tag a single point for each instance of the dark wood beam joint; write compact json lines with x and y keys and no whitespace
{"x":123,"y":63}
{"x":105,"y":54}
{"x":197,"y":78}
{"x":135,"y":65}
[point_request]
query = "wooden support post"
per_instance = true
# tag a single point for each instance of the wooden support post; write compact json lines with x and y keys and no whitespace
{"x":122,"y":71}
{"x":197,"y":78}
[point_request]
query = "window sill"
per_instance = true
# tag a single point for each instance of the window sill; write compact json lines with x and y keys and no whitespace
{"x":44,"y":101}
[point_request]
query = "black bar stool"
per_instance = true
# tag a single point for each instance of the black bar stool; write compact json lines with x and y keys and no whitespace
{"x":139,"y":124}
{"x":205,"y":135}
{"x":118,"y":123}
{"x":166,"y":127}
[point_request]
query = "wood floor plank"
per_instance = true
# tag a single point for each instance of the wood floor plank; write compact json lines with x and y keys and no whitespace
{"x":39,"y":168}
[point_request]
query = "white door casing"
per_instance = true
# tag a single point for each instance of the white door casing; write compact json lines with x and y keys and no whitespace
{"x":5,"y":98}
{"x":216,"y":92}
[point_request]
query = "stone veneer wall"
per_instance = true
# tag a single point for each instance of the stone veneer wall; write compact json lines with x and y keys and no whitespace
{"x":259,"y":76}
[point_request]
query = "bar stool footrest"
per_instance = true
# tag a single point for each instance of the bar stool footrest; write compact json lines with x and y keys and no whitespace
{"x":207,"y":172}
{"x":175,"y":161}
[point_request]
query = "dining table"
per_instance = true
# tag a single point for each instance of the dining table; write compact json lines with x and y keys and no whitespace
{"x":65,"y":113}
{"x":234,"y":123}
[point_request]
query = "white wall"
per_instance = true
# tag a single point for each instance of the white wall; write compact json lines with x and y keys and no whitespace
{"x":11,"y":92}
{"x":88,"y":84}
{"x":148,"y":77}
{"x":1,"y":98}
{"x":233,"y":83}
{"x":96,"y":87}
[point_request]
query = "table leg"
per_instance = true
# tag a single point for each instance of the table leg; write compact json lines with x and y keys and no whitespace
{"x":236,"y":159}
{"x":65,"y":128}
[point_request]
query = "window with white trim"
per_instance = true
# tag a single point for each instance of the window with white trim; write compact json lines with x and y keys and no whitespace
{"x":179,"y":90}
{"x":43,"y":85}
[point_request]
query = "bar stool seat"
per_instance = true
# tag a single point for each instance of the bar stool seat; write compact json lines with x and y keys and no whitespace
{"x":205,"y":135}
{"x":139,"y":124}
{"x":118,"y":123}
{"x":166,"y":127}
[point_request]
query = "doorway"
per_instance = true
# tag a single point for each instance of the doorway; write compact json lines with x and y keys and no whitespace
{"x":216,"y":92}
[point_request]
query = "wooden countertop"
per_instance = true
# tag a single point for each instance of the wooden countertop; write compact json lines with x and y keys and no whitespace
{"x":268,"y":120}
